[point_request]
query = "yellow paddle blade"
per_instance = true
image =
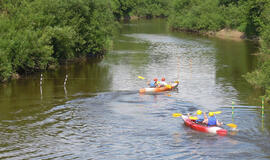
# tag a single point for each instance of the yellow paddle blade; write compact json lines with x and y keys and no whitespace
{"x":218,"y":112}
{"x":140,"y":77}
{"x":168,"y":86}
{"x":176,"y":114}
{"x":194,"y":118}
{"x":176,"y":81}
{"x":232,"y":125}
{"x":158,"y":82}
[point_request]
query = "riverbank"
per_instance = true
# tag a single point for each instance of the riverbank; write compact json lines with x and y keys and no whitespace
{"x":228,"y":34}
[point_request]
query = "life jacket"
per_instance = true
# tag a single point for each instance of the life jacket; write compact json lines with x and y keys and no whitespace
{"x":162,"y":84}
{"x":152,"y":84}
{"x":200,"y":118}
{"x":212,"y":121}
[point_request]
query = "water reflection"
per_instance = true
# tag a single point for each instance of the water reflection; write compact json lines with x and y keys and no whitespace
{"x":85,"y":79}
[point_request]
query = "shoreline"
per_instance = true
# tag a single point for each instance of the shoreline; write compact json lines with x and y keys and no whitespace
{"x":228,"y":34}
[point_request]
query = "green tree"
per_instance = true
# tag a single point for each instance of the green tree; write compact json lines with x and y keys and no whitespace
{"x":37,"y":33}
{"x":196,"y":15}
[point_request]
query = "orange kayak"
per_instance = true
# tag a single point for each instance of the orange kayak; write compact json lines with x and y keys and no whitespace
{"x":160,"y":89}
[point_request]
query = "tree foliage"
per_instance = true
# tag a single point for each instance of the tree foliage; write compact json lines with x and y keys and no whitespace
{"x":140,"y":8}
{"x":260,"y":10}
{"x":37,"y":33}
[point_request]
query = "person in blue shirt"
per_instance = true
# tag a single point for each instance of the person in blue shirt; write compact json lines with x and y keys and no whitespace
{"x":200,"y":116}
{"x":153,"y":83}
{"x":211,"y":120}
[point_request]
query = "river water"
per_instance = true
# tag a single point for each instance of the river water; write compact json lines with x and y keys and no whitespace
{"x":99,"y":114}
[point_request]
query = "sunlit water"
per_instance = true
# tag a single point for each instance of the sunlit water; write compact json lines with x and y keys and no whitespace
{"x":101,"y":115}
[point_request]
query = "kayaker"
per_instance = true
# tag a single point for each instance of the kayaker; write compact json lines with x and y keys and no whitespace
{"x":200,"y":116}
{"x":211,"y":120}
{"x":153,"y":83}
{"x":162,"y":83}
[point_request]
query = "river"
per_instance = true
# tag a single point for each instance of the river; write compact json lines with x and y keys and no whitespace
{"x":99,"y":113}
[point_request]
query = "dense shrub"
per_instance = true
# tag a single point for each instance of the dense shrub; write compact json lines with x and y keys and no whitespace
{"x":140,"y":8}
{"x":196,"y":15}
{"x":152,"y":8}
{"x":37,"y":33}
{"x":261,"y":19}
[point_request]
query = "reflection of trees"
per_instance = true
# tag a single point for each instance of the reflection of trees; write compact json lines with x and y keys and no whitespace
{"x":233,"y":60}
{"x":236,"y":56}
{"x":24,"y":94}
{"x":85,"y":77}
{"x":153,"y":26}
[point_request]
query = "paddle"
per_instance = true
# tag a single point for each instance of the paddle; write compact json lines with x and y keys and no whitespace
{"x":179,"y":114}
{"x":217,"y":112}
{"x":141,"y":77}
{"x":176,"y":114}
{"x":232,"y":125}
{"x":176,"y":81}
{"x":193,"y":118}
{"x":144,"y":78}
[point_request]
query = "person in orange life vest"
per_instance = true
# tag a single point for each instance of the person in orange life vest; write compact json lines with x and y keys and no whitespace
{"x":211,"y":120}
{"x":153,"y":83}
{"x":162,"y":83}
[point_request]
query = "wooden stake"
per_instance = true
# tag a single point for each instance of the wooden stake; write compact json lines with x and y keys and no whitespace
{"x":65,"y":82}
{"x":41,"y":78}
{"x":232,"y":109}
{"x":262,"y":106}
{"x":178,"y":68}
{"x":41,"y":93}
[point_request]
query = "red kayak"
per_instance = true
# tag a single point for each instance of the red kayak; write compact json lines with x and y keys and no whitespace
{"x":160,"y":89}
{"x":202,"y":128}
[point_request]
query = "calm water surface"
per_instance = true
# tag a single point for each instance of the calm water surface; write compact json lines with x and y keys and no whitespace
{"x":101,"y":115}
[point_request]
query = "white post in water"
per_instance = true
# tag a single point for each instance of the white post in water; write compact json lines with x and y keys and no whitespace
{"x":178,"y":69}
{"x":65,"y":82}
{"x":232,"y":111}
{"x":190,"y":67}
{"x":41,"y":78}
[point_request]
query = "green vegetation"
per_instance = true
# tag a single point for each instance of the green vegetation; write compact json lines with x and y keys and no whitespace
{"x":37,"y":33}
{"x":196,"y":15}
{"x":208,"y":15}
{"x":140,"y":8}
{"x":259,"y":24}
{"x":152,"y":8}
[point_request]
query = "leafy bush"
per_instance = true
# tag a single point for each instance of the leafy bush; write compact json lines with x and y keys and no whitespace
{"x":152,"y":8}
{"x":37,"y":33}
{"x":196,"y":15}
